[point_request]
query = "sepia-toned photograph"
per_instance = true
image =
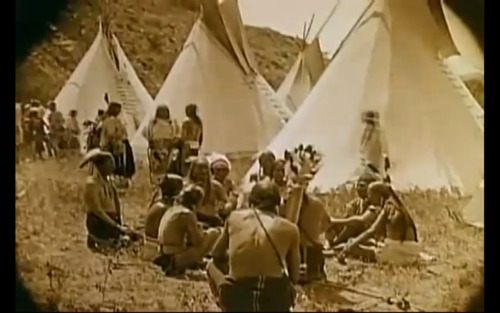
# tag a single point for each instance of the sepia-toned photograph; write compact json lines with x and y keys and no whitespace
{"x":249,"y":155}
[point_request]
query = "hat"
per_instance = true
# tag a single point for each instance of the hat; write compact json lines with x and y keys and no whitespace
{"x":370,"y":116}
{"x":218,"y":160}
{"x":95,"y":154}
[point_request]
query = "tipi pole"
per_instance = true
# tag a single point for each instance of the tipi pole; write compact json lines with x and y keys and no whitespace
{"x":327,"y":19}
{"x":352,"y":29}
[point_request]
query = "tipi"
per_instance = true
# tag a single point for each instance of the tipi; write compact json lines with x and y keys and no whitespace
{"x":303,"y":75}
{"x":389,"y":64}
{"x":286,"y":16}
{"x":473,"y":212}
{"x":216,"y":70}
{"x":105,"y":69}
{"x":471,"y":61}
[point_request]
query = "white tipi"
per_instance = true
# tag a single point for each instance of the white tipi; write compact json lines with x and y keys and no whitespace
{"x":458,"y":63}
{"x":390,"y":65}
{"x":105,"y":69}
{"x":473,"y":212}
{"x":303,"y":75}
{"x":286,"y":16}
{"x":216,"y":71}
{"x":471,"y":60}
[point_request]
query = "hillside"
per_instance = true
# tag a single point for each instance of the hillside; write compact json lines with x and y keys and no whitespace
{"x":151,"y":32}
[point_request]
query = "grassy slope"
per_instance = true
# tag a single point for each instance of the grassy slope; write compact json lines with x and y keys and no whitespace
{"x":50,"y":237}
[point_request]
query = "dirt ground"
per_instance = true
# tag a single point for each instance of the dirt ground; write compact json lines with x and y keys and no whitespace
{"x":56,"y":265}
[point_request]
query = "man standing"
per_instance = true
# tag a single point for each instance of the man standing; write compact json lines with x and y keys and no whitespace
{"x":56,"y":129}
{"x":191,"y":134}
{"x":113,"y":134}
{"x":73,"y":132}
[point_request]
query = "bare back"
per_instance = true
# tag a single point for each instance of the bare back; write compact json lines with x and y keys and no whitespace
{"x":250,"y":252}
{"x":176,"y":226}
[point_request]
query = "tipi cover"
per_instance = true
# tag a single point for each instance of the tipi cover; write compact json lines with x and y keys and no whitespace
{"x":303,"y":75}
{"x":473,"y":213}
{"x":105,"y":69}
{"x":287,"y":17}
{"x":215,"y":70}
{"x":390,"y":65}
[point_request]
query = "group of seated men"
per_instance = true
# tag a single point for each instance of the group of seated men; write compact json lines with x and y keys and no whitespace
{"x":256,"y":242}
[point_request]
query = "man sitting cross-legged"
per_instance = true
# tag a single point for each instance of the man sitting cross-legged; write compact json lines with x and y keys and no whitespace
{"x":104,"y":222}
{"x":183,"y":244}
{"x":259,"y":251}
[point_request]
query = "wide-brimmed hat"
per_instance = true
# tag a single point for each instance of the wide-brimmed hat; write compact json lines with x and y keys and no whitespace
{"x":94,"y":155}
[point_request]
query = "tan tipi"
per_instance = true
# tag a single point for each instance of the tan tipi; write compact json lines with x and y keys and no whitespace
{"x":471,"y":61}
{"x":389,"y":64}
{"x":303,"y":75}
{"x":287,"y":16}
{"x":216,"y":71}
{"x":105,"y":69}
{"x":473,"y":212}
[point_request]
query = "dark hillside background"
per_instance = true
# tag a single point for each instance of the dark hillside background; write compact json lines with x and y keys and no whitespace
{"x":34,"y":16}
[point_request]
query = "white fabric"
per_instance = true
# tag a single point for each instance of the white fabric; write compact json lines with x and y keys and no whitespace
{"x":465,"y":40}
{"x":216,"y":71}
{"x":96,"y":75}
{"x":389,"y":64}
{"x":303,"y":75}
{"x":473,"y":212}
{"x":288,"y":17}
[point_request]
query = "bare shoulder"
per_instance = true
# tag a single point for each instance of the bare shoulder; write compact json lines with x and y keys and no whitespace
{"x":287,"y":226}
{"x":216,"y":184}
{"x":157,"y":206}
{"x":238,"y":214}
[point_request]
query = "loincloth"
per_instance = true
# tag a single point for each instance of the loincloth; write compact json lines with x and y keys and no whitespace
{"x":100,"y":229}
{"x":253,"y":294}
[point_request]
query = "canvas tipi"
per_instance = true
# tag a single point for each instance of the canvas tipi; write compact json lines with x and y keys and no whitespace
{"x":105,"y":69}
{"x":471,"y":61}
{"x":215,"y":70}
{"x":390,"y":65}
{"x":286,"y":16}
{"x":473,"y":212}
{"x":303,"y":75}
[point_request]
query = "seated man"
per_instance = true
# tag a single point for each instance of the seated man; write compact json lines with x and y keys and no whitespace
{"x":306,"y":210}
{"x":355,"y":207}
{"x":170,"y":186}
{"x":259,"y":251}
{"x":386,"y":218}
{"x":214,"y":205}
{"x":183,"y":244}
{"x":104,"y":223}
{"x":220,"y":167}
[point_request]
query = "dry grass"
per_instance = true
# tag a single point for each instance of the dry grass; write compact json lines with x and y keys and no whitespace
{"x":63,"y":274}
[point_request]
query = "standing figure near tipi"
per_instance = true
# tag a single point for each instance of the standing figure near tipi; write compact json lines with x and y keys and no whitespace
{"x":162,"y":135}
{"x":113,"y":133}
{"x":191,"y":135}
{"x":373,"y":145}
{"x":56,"y":129}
